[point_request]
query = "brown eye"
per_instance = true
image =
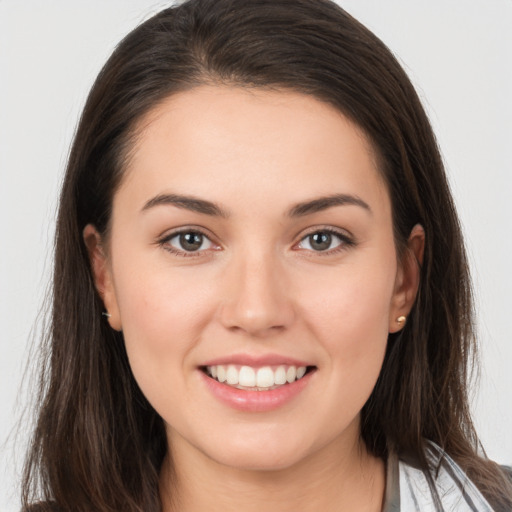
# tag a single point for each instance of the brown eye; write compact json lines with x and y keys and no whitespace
{"x":322,"y":241}
{"x":188,"y":242}
{"x":191,"y":241}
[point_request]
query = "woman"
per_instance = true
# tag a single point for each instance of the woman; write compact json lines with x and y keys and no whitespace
{"x":261,"y":295}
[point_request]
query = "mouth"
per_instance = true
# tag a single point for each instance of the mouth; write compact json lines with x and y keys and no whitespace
{"x":249,"y":378}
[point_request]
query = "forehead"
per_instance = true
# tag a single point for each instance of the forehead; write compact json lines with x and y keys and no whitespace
{"x":231,"y":141}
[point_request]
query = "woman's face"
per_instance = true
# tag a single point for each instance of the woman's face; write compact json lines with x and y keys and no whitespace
{"x":252,"y":240}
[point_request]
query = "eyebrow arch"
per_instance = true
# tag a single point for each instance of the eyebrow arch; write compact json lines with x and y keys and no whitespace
{"x":323,"y":203}
{"x":186,"y":202}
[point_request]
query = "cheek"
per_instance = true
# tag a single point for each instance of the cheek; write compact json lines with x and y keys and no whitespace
{"x":349,"y":314}
{"x":155,"y":298}
{"x":163,"y":314}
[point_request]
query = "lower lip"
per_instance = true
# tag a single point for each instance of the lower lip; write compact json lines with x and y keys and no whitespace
{"x":256,"y":401}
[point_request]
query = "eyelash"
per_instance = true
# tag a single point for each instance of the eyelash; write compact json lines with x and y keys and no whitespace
{"x":346,"y":242}
{"x":164,"y":242}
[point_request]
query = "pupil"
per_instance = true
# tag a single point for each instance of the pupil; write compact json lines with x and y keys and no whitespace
{"x":321,"y":241}
{"x":191,"y":241}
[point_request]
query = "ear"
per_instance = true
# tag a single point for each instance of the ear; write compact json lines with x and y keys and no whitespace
{"x":407,"y":279}
{"x":102,"y":275}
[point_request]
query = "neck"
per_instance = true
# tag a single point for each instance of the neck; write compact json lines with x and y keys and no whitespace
{"x":339,"y":477}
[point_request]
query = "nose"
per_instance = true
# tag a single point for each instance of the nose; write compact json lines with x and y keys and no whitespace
{"x":257,"y":299}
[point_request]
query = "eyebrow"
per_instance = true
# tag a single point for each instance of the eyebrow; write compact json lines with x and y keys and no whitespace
{"x":188,"y":203}
{"x":299,"y":210}
{"x":323,"y":203}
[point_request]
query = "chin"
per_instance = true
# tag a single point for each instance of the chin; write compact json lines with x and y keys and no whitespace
{"x":261,"y":461}
{"x":273,"y":454}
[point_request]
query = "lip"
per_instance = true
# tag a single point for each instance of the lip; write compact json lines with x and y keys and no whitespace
{"x":255,"y":401}
{"x":257,"y":361}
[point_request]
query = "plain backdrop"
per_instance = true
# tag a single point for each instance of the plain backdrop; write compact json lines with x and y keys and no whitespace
{"x":458,"y":54}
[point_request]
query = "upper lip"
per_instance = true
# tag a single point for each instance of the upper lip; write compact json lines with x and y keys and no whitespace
{"x":256,"y":360}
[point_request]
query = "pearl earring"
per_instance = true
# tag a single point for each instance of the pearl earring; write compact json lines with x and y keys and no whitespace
{"x":401,"y":319}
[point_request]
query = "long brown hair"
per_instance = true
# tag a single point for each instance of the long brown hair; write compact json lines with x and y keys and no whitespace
{"x":98,"y":443}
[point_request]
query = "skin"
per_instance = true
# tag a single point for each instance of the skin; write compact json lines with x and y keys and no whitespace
{"x":256,"y":286}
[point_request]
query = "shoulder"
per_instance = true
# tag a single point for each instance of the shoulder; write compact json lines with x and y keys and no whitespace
{"x":445,"y":485}
{"x":507,"y":470}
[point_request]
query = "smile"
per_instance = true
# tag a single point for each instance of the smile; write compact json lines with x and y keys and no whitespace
{"x":249,"y":378}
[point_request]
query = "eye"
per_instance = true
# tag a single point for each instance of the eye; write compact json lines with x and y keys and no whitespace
{"x":186,"y":242}
{"x":324,"y":240}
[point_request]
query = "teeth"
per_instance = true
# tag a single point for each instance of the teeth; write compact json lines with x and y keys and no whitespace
{"x":263,"y":378}
{"x":221,"y":373}
{"x":247,"y":377}
{"x":291,"y":374}
{"x":280,"y":376}
{"x":232,"y":375}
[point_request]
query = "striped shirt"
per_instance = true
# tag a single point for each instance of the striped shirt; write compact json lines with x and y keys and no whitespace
{"x":409,"y":488}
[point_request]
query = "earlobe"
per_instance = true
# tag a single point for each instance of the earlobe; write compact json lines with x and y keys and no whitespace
{"x":408,"y":279}
{"x":102,"y":275}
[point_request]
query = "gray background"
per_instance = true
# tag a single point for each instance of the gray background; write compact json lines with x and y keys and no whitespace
{"x":457,"y":52}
